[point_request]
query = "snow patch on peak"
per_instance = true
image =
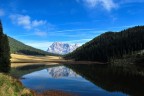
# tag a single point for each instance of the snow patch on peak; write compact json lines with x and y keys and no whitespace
{"x":62,"y":48}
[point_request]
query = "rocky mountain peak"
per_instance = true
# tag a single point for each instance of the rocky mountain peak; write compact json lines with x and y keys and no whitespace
{"x":62,"y":48}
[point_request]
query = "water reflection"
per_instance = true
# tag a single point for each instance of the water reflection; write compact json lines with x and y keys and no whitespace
{"x":127,"y":79}
{"x":61,"y":72}
{"x":65,"y":79}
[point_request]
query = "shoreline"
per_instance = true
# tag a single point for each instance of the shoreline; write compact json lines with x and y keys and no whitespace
{"x":40,"y":61}
{"x":11,"y":83}
{"x":21,"y":60}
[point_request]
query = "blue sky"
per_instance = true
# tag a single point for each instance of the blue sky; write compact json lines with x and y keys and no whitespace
{"x":40,"y":22}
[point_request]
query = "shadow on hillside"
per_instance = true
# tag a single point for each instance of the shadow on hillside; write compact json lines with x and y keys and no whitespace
{"x":29,"y":52}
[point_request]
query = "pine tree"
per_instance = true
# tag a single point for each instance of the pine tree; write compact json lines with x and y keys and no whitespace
{"x":4,"y":52}
{"x":111,"y":45}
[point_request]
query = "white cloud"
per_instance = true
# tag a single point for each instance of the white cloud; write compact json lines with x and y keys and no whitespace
{"x":38,"y":23}
{"x":2,"y":13}
{"x":107,"y":4}
{"x":25,"y":21}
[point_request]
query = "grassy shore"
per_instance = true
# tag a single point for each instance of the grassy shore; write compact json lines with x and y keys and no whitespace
{"x":12,"y":87}
{"x":24,"y":64}
{"x":17,"y":58}
{"x":22,"y":60}
{"x":9,"y":86}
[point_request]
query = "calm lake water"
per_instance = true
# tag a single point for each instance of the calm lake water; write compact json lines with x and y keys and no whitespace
{"x":86,"y":80}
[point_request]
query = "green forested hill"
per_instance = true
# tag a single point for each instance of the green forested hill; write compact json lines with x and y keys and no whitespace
{"x":21,"y":48}
{"x":111,"y":45}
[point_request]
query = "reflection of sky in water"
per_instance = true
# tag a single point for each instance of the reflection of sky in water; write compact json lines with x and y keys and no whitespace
{"x":63,"y":78}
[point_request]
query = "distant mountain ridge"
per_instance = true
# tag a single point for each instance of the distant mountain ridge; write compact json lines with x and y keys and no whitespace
{"x":62,"y":48}
{"x":20,"y":48}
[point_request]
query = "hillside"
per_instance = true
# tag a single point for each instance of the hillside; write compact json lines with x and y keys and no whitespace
{"x":20,"y":48}
{"x":111,"y":45}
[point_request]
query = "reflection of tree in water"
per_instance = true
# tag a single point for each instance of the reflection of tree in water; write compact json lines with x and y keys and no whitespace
{"x":61,"y":71}
{"x":129,"y":80}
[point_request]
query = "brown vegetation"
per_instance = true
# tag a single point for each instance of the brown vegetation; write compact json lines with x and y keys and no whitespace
{"x":55,"y":93}
{"x":22,"y":60}
{"x":12,"y":87}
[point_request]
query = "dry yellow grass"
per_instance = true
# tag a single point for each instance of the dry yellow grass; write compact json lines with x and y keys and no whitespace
{"x":22,"y":60}
{"x":12,"y":87}
{"x":29,"y":59}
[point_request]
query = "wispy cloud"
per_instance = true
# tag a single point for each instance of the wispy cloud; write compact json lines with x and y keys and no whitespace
{"x":22,"y":20}
{"x":74,"y":30}
{"x":37,"y":33}
{"x":64,"y":33}
{"x":25,"y":21}
{"x":88,"y":32}
{"x":23,"y":35}
{"x":2,"y":13}
{"x":87,"y":35}
{"x":37,"y":27}
{"x":77,"y":32}
{"x":106,"y":4}
{"x":36,"y":23}
{"x":83,"y":33}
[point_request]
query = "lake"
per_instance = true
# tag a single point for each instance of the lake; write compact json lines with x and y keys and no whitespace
{"x":86,"y":80}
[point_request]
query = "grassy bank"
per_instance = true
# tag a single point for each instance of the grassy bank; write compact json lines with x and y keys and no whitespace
{"x":24,"y":64}
{"x":18,"y":58}
{"x":23,"y":60}
{"x":12,"y":87}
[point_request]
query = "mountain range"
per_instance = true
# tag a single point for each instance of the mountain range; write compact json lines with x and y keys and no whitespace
{"x":62,"y":48}
{"x":55,"y":49}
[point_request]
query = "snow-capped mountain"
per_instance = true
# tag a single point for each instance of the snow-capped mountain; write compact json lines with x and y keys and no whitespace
{"x":62,"y":48}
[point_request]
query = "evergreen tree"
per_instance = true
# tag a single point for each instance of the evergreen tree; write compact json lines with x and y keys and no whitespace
{"x":111,"y":45}
{"x":4,"y":52}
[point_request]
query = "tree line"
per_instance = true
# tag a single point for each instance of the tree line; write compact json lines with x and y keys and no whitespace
{"x":110,"y":45}
{"x":4,"y":51}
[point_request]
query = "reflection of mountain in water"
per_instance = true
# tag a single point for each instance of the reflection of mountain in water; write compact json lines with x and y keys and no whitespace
{"x":61,"y":71}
